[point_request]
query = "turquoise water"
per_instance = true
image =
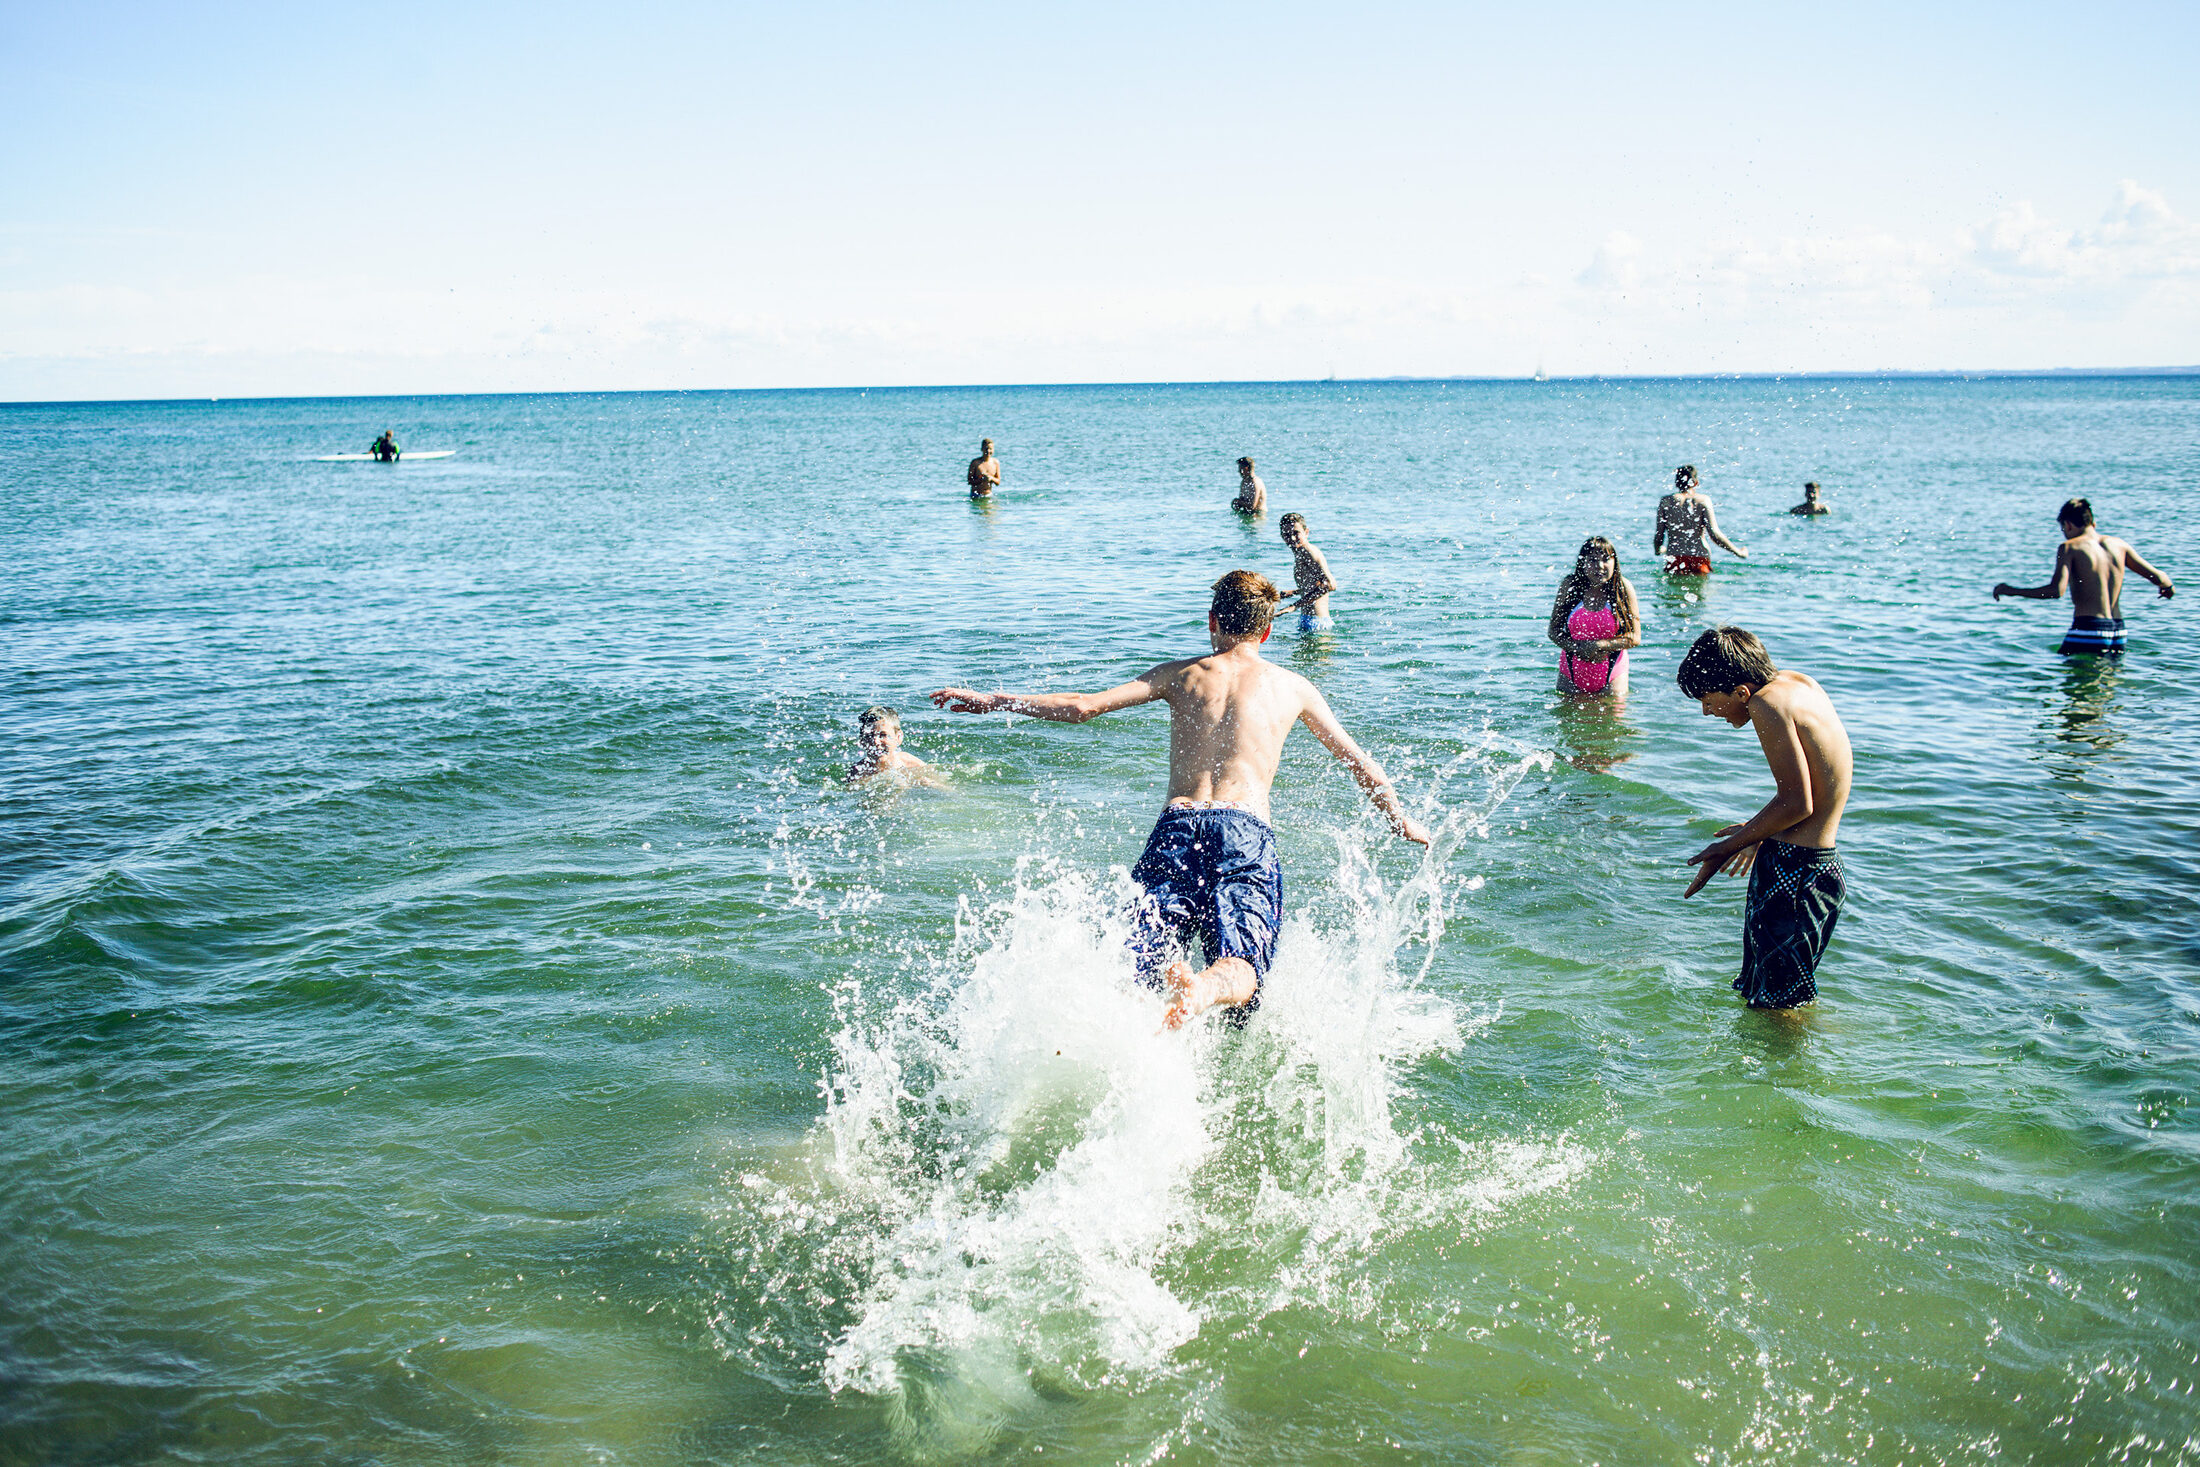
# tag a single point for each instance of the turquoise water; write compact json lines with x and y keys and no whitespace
{"x":452,"y":1012}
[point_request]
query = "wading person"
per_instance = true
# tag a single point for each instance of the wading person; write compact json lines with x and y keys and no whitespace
{"x":1795,"y":882}
{"x":1310,"y":576}
{"x":1210,"y":865}
{"x":1685,"y":521}
{"x":1594,"y":622}
{"x":2091,"y":565}
{"x":1812,"y":503}
{"x":985,"y":472}
{"x":1252,"y":495}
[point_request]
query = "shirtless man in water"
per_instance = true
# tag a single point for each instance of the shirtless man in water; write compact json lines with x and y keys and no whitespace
{"x":2092,"y":565}
{"x":1252,"y":495}
{"x":985,"y":472}
{"x":1686,"y":519}
{"x":1796,"y":885}
{"x":1310,"y":575}
{"x":1210,"y":864}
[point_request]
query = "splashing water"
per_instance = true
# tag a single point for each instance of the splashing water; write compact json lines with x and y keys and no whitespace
{"x":1022,"y":1190}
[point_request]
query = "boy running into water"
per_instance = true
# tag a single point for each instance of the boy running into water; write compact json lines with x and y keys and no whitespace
{"x":2092,"y":565}
{"x":1686,"y":519}
{"x":1210,"y":863}
{"x":879,"y":751}
{"x":1795,"y":881}
{"x":1310,"y":574}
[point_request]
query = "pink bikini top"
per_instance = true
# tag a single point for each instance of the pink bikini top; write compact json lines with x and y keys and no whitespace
{"x":1586,"y":624}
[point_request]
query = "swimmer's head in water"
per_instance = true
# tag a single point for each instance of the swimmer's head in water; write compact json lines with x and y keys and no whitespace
{"x":1721,"y":661}
{"x":878,"y":725}
{"x":987,"y":445}
{"x":1244,"y":602}
{"x":1292,"y":527}
{"x":1245,"y":466}
{"x":2077,"y":513}
{"x":1810,"y":490}
{"x":1684,"y":477}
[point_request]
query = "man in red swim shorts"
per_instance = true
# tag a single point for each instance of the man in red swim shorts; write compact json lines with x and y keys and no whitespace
{"x":1686,"y":519}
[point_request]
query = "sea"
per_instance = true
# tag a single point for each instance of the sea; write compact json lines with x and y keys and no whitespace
{"x":454,"y":1010}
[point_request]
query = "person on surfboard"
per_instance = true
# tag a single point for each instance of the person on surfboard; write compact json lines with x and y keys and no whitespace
{"x":385,"y":448}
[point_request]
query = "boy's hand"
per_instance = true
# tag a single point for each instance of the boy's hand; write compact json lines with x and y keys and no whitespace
{"x":962,"y":700}
{"x":1720,"y":854}
{"x":1413,"y":830}
{"x":2001,"y":589}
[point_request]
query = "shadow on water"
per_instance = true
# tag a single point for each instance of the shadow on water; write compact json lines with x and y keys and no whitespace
{"x":1779,"y":1038}
{"x":1685,"y":599}
{"x":1310,"y":650}
{"x":2081,"y":727}
{"x":1594,"y":733}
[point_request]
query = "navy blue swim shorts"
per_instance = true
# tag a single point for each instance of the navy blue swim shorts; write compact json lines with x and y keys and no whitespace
{"x":1212,"y":871}
{"x":1795,"y":896}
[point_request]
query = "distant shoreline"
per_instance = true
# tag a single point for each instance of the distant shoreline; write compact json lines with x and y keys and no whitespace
{"x":1890,"y":374}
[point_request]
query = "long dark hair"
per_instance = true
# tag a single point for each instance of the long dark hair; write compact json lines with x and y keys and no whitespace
{"x":1623,"y":595}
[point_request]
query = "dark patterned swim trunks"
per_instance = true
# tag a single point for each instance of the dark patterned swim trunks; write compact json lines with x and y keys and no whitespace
{"x":1795,"y":895}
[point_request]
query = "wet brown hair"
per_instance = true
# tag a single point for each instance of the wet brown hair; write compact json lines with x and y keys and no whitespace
{"x":1684,"y":477}
{"x":1244,"y":602}
{"x":1722,"y":660}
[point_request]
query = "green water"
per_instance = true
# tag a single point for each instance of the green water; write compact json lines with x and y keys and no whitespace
{"x":450,"y":1012}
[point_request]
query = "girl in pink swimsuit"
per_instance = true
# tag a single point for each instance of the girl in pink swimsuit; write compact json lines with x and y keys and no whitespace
{"x":1594,"y":622}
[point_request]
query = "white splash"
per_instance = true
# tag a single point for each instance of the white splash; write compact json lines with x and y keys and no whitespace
{"x":1027,"y":1187}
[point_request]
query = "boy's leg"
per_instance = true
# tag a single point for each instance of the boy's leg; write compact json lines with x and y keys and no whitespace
{"x":1241,"y":919}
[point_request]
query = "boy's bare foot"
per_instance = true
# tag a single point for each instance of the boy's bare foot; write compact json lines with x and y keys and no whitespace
{"x":1179,"y":979}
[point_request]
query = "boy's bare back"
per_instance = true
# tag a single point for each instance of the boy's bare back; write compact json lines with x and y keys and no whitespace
{"x":1228,"y":717}
{"x":1795,"y":722}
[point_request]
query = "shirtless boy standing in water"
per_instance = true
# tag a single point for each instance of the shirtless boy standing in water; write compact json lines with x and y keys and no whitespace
{"x":1796,"y":886}
{"x":985,"y":472}
{"x":2092,"y":565}
{"x":1210,"y":864}
{"x":1252,"y":495}
{"x":1686,"y":519}
{"x":1309,"y":574}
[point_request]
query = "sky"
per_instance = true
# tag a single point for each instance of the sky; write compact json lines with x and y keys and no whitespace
{"x":285,"y":200}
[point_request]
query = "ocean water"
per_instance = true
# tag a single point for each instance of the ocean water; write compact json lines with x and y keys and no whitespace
{"x":451,"y":1011}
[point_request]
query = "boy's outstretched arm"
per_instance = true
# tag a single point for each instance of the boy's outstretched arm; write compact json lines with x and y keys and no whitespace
{"x":2052,"y":591}
{"x":1053,"y":707}
{"x":1791,"y":800}
{"x":2133,"y":559}
{"x":1323,"y":725}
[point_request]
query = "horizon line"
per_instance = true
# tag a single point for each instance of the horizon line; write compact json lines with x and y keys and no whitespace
{"x":1877,"y":374}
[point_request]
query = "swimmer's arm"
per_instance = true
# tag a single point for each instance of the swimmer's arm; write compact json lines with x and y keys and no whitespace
{"x":2138,"y":565}
{"x":1711,"y":528}
{"x":1555,"y":629}
{"x":1791,"y":801}
{"x":1657,"y":541}
{"x":1053,"y":707}
{"x":1328,"y":582}
{"x":2052,"y":591}
{"x":1323,"y":725}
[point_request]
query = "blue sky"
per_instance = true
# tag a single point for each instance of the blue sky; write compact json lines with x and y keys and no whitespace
{"x":242,"y":200}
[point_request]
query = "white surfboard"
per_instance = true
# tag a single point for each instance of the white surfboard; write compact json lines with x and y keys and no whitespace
{"x":404,"y":455}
